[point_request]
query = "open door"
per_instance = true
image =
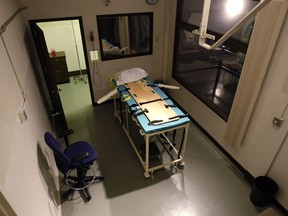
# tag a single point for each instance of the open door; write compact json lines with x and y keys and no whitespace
{"x":55,"y":109}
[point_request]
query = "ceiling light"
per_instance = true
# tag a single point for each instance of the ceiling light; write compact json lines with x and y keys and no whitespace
{"x":234,"y":7}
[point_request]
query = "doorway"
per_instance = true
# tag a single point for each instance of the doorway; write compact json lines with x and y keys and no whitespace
{"x":68,"y":65}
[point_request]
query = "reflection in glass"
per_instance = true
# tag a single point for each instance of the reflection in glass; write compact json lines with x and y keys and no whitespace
{"x":224,"y":14}
{"x":125,"y":35}
{"x":211,"y":75}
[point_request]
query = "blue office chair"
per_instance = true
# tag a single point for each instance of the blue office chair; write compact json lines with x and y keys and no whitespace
{"x":76,"y":156}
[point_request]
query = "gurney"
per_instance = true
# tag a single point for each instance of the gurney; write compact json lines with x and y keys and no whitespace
{"x":156,"y":116}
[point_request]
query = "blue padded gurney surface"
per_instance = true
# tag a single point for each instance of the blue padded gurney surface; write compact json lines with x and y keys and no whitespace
{"x":143,"y":120}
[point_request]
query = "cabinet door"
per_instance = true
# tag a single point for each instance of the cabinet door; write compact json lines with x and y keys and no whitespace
{"x":62,"y":66}
{"x":60,"y":70}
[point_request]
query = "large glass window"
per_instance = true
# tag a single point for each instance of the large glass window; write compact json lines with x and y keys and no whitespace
{"x":125,"y":35}
{"x":211,"y":75}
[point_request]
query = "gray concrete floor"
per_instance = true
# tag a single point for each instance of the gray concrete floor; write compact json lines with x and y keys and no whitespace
{"x":209,"y":185}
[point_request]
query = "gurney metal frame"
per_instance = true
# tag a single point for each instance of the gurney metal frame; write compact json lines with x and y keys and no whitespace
{"x":174,"y":162}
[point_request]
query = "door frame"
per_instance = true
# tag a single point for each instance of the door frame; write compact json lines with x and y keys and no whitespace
{"x":79,"y":18}
{"x":47,"y":83}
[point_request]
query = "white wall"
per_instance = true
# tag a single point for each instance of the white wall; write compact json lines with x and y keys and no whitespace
{"x":60,"y":36}
{"x":278,"y":172}
{"x":21,"y":179}
{"x":259,"y":154}
{"x":88,"y":9}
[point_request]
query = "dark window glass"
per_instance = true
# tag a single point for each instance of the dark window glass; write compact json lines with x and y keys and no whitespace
{"x":125,"y":35}
{"x":211,"y":75}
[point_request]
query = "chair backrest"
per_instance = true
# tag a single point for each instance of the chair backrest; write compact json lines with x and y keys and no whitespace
{"x":62,"y":161}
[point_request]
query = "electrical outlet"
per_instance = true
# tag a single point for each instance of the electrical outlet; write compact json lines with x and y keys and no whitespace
{"x":277,"y":121}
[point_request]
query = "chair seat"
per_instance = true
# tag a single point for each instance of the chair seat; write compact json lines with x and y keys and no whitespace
{"x":80,"y":151}
{"x":73,"y":151}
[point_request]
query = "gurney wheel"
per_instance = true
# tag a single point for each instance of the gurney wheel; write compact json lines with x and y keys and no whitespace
{"x":173,"y":168}
{"x":180,"y":166}
{"x":152,"y":175}
{"x":147,"y":175}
